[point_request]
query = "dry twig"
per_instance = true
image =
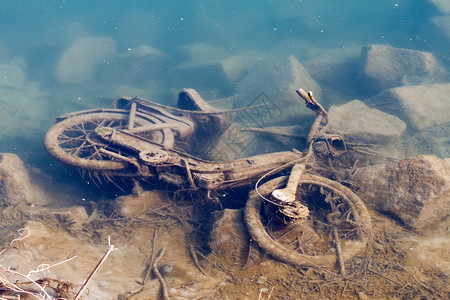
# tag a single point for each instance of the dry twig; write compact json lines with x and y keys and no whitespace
{"x":14,"y":287}
{"x":164,"y":290}
{"x":97,"y":267}
{"x":339,"y":255}
{"x":195,"y":259}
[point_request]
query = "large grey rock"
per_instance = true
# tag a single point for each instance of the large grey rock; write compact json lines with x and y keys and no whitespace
{"x":274,"y":82}
{"x":382,"y":67}
{"x":357,"y":122}
{"x":434,"y":140}
{"x":279,"y":138}
{"x":11,"y":76}
{"x":139,"y":202}
{"x":201,"y":76}
{"x":21,"y":101}
{"x":442,"y":5}
{"x":203,"y":52}
{"x":136,"y":66}
{"x":236,"y":142}
{"x":78,"y":64}
{"x":232,"y":143}
{"x":416,"y":190}
{"x":16,"y":187}
{"x":442,"y":23}
{"x":211,"y":68}
{"x":335,"y":66}
{"x":122,"y":90}
{"x":421,"y":106}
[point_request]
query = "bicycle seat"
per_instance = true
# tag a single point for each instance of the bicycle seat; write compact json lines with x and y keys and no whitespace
{"x":190,"y":100}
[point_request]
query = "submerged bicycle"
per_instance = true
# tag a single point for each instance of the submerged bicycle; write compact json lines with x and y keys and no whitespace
{"x":140,"y":138}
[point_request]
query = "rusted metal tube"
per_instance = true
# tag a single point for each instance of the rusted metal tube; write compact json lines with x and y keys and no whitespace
{"x":132,"y":115}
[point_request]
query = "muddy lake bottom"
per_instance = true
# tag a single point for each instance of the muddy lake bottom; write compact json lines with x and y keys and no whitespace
{"x":399,"y":263}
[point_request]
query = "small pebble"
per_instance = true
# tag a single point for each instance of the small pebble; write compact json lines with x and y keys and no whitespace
{"x":166,"y":269}
{"x":261,"y":280}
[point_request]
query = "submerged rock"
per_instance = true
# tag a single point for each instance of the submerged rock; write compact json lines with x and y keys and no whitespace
{"x":202,"y":76}
{"x":382,"y":67}
{"x":139,"y":202}
{"x":416,"y":190}
{"x":335,"y":67}
{"x":27,"y":106}
{"x":75,"y":258}
{"x":211,"y":68}
{"x":421,"y":106}
{"x":275,"y":82}
{"x":122,"y":90}
{"x":16,"y":187}
{"x":357,"y":122}
{"x":21,"y":101}
{"x":78,"y":64}
{"x":442,"y":23}
{"x":425,"y":110}
{"x":11,"y":76}
{"x":435,"y":140}
{"x":136,"y":67}
{"x":442,"y":5}
{"x":233,"y":143}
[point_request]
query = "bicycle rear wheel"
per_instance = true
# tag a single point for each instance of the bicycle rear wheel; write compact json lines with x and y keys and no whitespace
{"x":73,"y":141}
{"x":311,"y":243}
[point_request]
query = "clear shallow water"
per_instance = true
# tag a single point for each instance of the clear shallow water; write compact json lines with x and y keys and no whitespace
{"x":168,"y":25}
{"x":34,"y":35}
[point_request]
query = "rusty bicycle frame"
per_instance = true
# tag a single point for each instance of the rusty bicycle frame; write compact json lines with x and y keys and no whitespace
{"x":138,"y":137}
{"x":141,"y":143}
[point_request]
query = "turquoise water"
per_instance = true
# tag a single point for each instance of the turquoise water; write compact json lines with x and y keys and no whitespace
{"x":233,"y":25}
{"x":35,"y":35}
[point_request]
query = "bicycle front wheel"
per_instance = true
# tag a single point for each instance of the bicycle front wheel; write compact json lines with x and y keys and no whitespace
{"x":332,"y":206}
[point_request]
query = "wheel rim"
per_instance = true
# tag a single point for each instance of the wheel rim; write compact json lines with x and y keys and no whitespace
{"x":74,"y":142}
{"x":284,"y":252}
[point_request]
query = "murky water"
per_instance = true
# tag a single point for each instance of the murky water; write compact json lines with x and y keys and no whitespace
{"x":61,"y":56}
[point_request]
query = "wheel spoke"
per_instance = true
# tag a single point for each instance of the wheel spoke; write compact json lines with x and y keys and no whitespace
{"x":94,"y":154}
{"x":100,"y":124}
{"x":74,"y":141}
{"x":79,"y":148}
